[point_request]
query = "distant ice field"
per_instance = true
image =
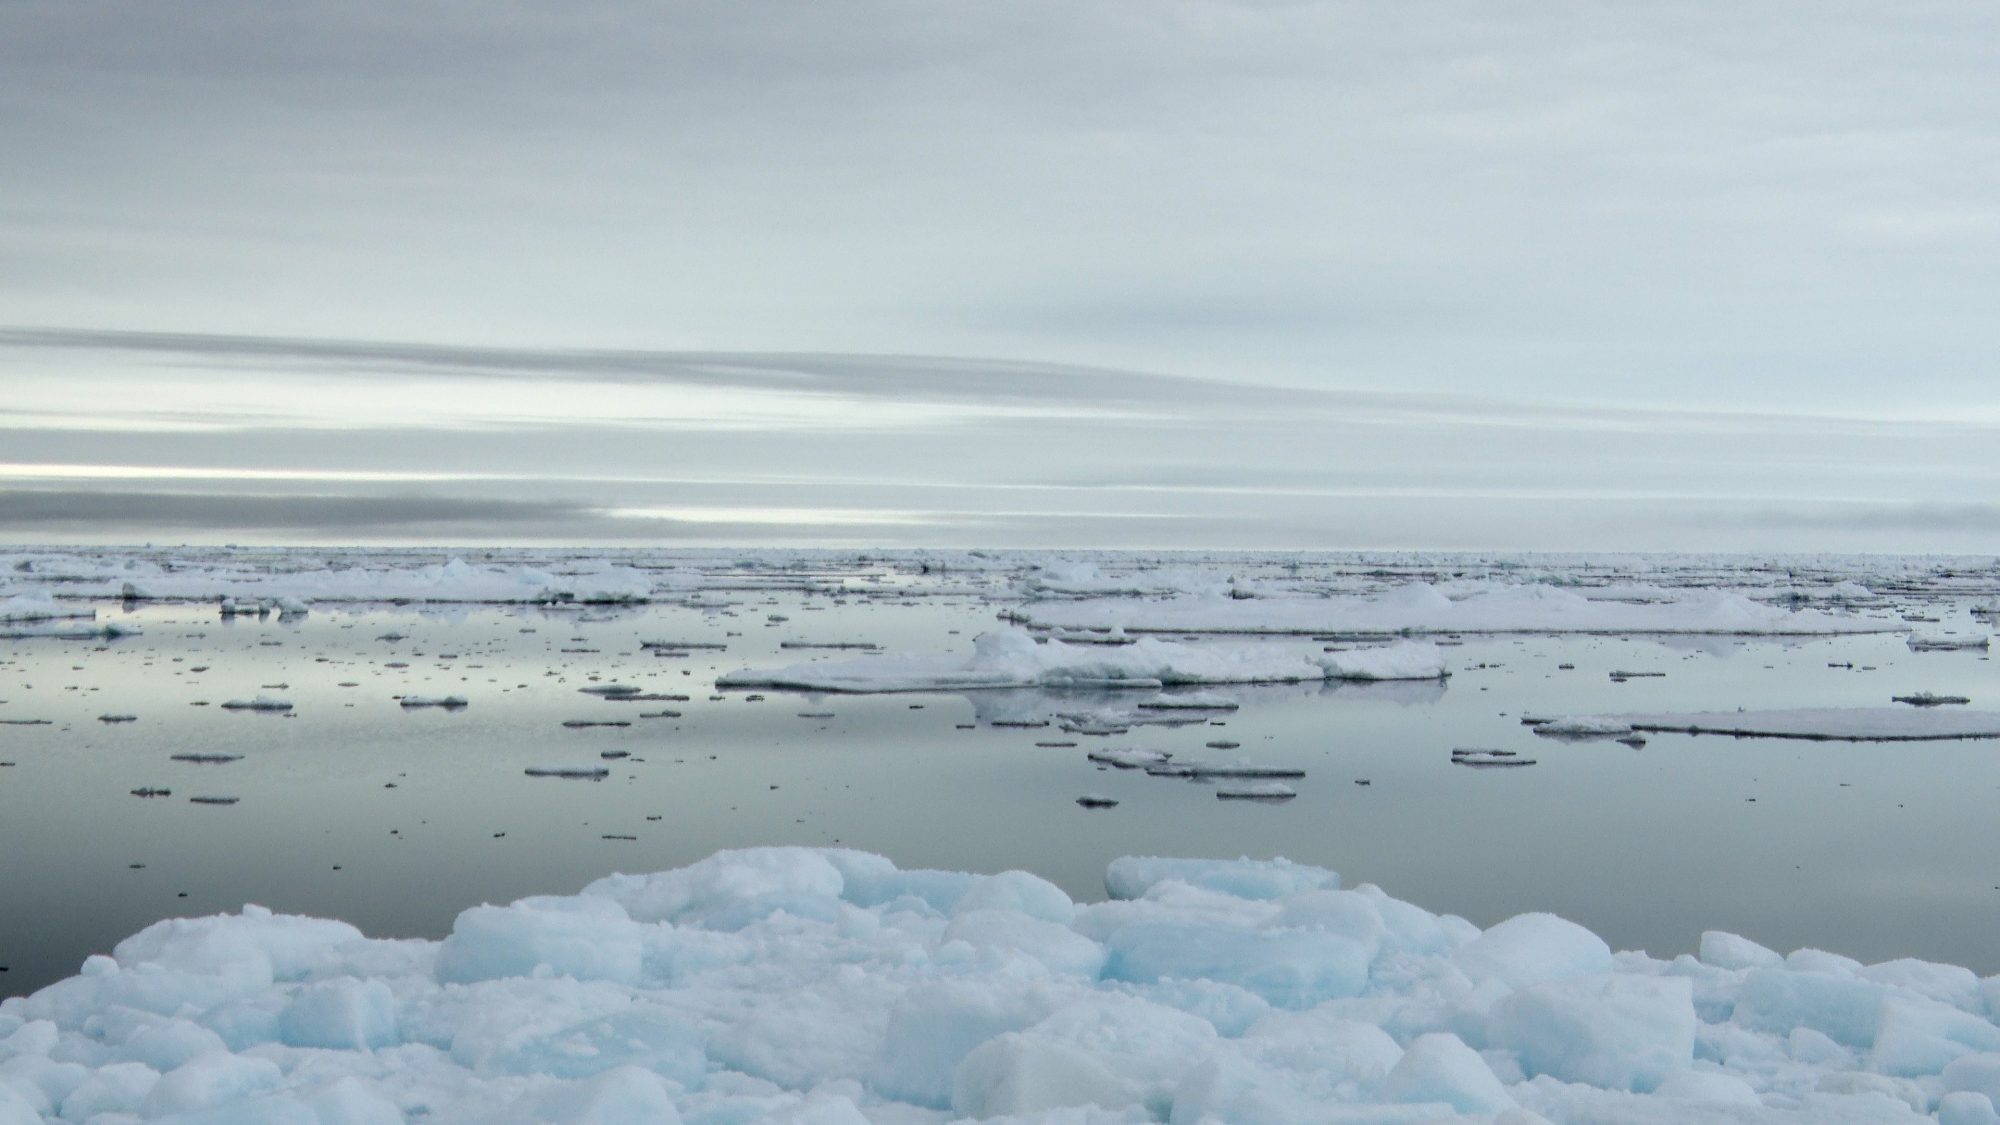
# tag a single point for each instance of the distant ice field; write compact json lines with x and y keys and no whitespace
{"x":392,"y":805}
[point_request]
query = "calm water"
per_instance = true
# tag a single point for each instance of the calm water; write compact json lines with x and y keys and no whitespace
{"x":396,"y":820}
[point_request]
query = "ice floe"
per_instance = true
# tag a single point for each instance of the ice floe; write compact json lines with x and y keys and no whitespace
{"x":39,"y":605}
{"x":1011,"y":658}
{"x":807,"y":985}
{"x":258,"y":703}
{"x":239,"y":589}
{"x":1945,"y":642}
{"x":1929,"y":699}
{"x":1826,"y":724}
{"x":1423,"y":608}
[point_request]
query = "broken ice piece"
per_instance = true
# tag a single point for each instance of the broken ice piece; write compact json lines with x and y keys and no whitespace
{"x":259,"y":703}
{"x":1268,"y":791}
{"x":1129,"y":759}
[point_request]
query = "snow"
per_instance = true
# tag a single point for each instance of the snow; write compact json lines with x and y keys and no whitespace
{"x":1828,"y":724}
{"x":800,"y":984}
{"x":38,"y":605}
{"x":1403,"y":660}
{"x":65,"y":631}
{"x":1484,"y":608}
{"x":251,"y":588}
{"x":1011,"y":658}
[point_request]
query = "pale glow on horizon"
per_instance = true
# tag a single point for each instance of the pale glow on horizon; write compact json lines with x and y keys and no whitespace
{"x":225,"y":400}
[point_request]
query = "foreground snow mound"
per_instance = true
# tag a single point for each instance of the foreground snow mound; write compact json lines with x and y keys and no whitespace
{"x":1011,"y":658}
{"x":826,"y":985}
{"x":1422,"y":608}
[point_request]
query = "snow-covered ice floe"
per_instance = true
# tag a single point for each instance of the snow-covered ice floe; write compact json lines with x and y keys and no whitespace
{"x":808,"y":985}
{"x":246,"y":590}
{"x":1011,"y":658}
{"x":1422,"y":608}
{"x":39,"y":605}
{"x":37,"y":614}
{"x":1825,"y":724}
{"x":1945,"y":642}
{"x":66,"y":631}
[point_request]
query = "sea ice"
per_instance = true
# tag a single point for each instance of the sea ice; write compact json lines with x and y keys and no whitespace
{"x":1490,"y":607}
{"x":797,"y":984}
{"x":1827,"y":724}
{"x":39,"y":605}
{"x":1012,"y":659}
{"x":258,"y":703}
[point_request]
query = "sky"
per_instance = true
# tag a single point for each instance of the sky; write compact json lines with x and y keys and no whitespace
{"x":1500,"y":275}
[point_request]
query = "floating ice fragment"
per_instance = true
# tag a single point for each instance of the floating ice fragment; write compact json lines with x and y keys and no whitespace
{"x":1268,"y":791}
{"x":1489,"y":758}
{"x":1939,"y":642}
{"x":258,"y":703}
{"x":1928,"y":699}
{"x":1129,"y":759}
{"x":1583,"y":726}
{"x":1827,"y":724}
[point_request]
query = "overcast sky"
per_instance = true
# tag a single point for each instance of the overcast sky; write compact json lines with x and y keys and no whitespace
{"x":1703,"y":275}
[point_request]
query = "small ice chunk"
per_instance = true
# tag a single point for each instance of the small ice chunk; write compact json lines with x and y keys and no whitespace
{"x":1708,"y":1087}
{"x":345,"y":1014}
{"x":1016,"y":1074}
{"x":1131,"y":877}
{"x":1960,"y":1107}
{"x":1618,"y":1031}
{"x":585,"y":937}
{"x":1439,"y":1067}
{"x":1532,"y":948}
{"x":1288,"y":968}
{"x":1728,"y":951}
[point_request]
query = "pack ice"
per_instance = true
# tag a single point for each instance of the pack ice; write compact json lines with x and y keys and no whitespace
{"x":1011,"y":658}
{"x":824,"y":985}
{"x":1420,"y":607}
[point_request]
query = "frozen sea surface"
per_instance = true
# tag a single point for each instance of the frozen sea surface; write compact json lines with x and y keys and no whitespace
{"x":395,"y":818}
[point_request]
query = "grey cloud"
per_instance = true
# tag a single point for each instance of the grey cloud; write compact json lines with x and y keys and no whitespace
{"x":1975,"y":517}
{"x":897,"y":378}
{"x":55,"y":511}
{"x":1735,"y":203}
